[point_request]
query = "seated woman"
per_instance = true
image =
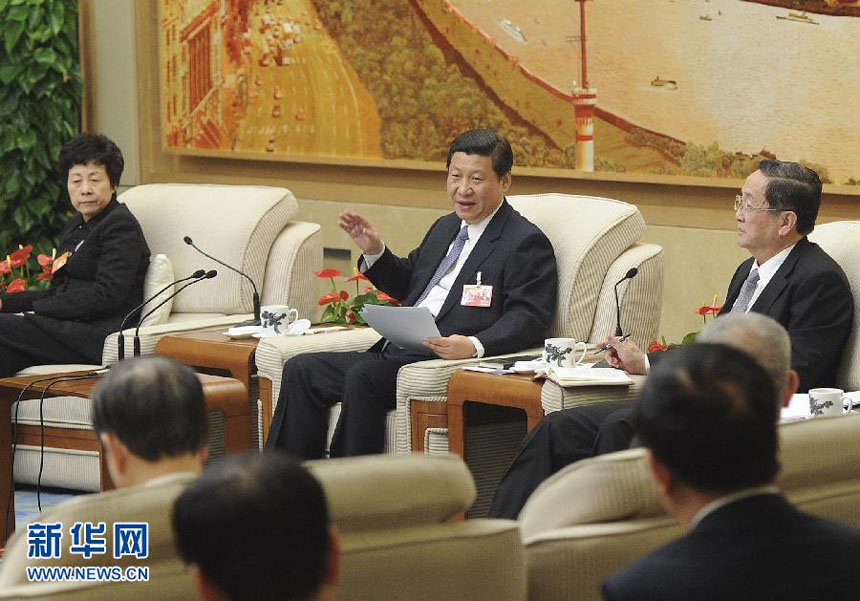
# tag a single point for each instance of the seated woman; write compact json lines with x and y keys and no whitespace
{"x":98,"y":274}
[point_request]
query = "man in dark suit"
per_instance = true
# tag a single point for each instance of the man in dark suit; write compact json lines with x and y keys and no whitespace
{"x":787,"y":277}
{"x":484,"y":242}
{"x":707,"y":416}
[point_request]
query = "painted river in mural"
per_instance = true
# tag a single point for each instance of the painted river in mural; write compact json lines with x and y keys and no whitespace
{"x":743,"y":77}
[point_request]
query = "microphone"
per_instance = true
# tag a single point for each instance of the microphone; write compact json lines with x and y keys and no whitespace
{"x":121,"y":339}
{"x":631,"y":273}
{"x":206,"y":276}
{"x":256,"y":320}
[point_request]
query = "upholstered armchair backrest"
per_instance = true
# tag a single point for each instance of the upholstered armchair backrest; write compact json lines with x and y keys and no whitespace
{"x":399,"y":540}
{"x":821,"y":466}
{"x":607,"y":488}
{"x":841,"y":240}
{"x":151,"y":504}
{"x":236,"y":224}
{"x":377,"y":492}
{"x":594,"y":517}
{"x":816,"y":455}
{"x":587,"y":233}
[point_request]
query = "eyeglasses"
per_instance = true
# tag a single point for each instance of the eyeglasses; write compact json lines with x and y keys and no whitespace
{"x":743,"y":207}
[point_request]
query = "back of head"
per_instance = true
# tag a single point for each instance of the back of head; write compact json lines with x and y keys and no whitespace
{"x":793,"y":187}
{"x":758,"y":335}
{"x":484,"y":142}
{"x":154,"y":406}
{"x":708,"y":413}
{"x":84,"y":149}
{"x":257,"y":527}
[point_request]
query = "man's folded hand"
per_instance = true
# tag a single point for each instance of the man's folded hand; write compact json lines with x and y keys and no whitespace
{"x":454,"y":346}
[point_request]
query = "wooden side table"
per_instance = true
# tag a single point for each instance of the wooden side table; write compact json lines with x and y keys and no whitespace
{"x":223,"y":395}
{"x":519,"y":392}
{"x":214,"y":352}
{"x":212,"y":349}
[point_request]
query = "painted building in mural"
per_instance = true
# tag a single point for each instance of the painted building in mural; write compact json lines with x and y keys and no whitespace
{"x":200,"y":74}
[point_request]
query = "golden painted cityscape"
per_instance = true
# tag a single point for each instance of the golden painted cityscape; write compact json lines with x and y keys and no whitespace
{"x":673,"y":87}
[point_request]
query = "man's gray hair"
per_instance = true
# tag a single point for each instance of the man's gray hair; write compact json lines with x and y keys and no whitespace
{"x":757,"y":335}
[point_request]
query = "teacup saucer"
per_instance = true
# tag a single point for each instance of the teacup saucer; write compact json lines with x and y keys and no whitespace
{"x":238,"y":333}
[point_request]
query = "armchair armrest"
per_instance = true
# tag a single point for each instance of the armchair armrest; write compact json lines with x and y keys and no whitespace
{"x":150,"y":335}
{"x":428,"y":381}
{"x":273,"y":352}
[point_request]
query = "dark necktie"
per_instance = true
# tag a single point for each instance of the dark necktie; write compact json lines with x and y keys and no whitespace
{"x":447,"y":263}
{"x":746,"y":294}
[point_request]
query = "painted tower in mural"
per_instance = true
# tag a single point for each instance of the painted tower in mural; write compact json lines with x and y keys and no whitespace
{"x":584,"y":101}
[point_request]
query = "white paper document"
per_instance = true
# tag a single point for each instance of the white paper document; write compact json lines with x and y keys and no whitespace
{"x":588,"y":376}
{"x":406,"y":327}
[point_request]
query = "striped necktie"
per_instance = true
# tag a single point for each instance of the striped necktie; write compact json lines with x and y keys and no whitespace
{"x":746,"y":294}
{"x":447,"y":263}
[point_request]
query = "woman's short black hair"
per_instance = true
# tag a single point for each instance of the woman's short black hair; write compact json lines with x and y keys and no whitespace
{"x":84,"y":149}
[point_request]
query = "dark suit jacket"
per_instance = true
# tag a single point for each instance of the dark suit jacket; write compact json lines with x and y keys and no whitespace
{"x":513,"y":256}
{"x":810,"y":296}
{"x":101,"y":282}
{"x":757,"y":549}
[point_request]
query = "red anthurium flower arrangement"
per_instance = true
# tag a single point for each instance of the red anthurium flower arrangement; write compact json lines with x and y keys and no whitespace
{"x":17,"y":285}
{"x":15,"y":273}
{"x":713,"y":310}
{"x":339,"y":308}
{"x":658,"y":347}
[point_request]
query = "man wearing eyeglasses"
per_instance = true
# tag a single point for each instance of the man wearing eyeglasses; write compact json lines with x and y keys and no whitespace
{"x":787,"y":278}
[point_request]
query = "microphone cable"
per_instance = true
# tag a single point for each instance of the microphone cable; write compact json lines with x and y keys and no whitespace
{"x":42,"y":427}
{"x":18,"y":400}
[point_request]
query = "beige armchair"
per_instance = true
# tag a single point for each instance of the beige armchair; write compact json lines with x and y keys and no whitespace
{"x":841,"y":240}
{"x":248,"y":227}
{"x":149,"y":503}
{"x":596,"y":516}
{"x":400,"y":538}
{"x":595,"y":241}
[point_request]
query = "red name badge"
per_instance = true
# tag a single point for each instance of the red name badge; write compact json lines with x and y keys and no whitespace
{"x":476,"y":295}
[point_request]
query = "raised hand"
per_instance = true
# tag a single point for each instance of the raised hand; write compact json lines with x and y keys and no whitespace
{"x":361,"y":231}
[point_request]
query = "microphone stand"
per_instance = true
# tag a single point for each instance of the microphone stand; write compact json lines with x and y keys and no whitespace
{"x":631,"y":273}
{"x":256,"y":297}
{"x":120,"y":339}
{"x":208,"y":275}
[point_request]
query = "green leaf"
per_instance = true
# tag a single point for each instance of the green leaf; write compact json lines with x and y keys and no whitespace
{"x":56,"y":18}
{"x":11,"y":34}
{"x":18,"y":14}
{"x":45,"y":55}
{"x":9,"y":72}
{"x":689,"y":338}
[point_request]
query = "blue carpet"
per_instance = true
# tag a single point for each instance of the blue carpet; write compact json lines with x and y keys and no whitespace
{"x":26,"y":506}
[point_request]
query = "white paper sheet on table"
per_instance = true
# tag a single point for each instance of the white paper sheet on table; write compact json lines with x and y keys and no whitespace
{"x":406,"y":327}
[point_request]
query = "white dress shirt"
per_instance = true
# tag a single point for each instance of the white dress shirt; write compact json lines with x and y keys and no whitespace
{"x":436,"y":298}
{"x":769,"y":489}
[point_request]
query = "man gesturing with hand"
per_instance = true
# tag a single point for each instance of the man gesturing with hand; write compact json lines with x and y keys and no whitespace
{"x":486,"y":274}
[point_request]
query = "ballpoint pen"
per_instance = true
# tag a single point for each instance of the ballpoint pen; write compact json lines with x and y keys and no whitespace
{"x":608,"y":345}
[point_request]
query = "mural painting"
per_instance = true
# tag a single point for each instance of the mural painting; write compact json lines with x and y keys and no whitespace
{"x":701,"y":88}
